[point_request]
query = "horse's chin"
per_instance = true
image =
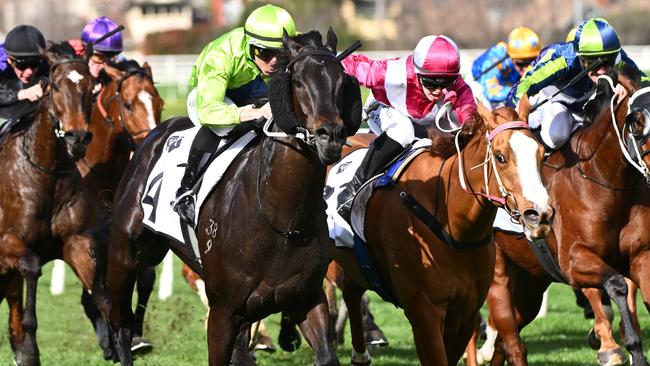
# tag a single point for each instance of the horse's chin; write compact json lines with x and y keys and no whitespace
{"x":536,"y":232}
{"x":76,"y":151}
{"x":328,"y":152}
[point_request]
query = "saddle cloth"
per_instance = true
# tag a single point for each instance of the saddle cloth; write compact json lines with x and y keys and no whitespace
{"x":165,"y":177}
{"x":340,"y":176}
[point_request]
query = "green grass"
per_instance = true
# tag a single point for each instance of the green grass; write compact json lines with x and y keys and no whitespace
{"x":175,"y":327}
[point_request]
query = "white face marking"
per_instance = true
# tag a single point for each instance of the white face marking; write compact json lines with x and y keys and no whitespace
{"x":525,"y":150}
{"x":146,"y":98}
{"x":75,"y":77}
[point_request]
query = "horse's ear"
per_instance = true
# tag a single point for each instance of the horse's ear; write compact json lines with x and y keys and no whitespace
{"x":487,"y":116}
{"x":113,"y":72}
{"x":331,"y":40}
{"x":147,"y":69}
{"x":351,"y":113}
{"x":291,"y":45}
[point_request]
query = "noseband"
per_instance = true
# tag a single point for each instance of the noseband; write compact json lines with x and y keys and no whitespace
{"x":489,"y":157}
{"x":130,"y":136}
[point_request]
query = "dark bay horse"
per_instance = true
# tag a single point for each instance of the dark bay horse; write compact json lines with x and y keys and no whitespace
{"x":269,"y":209}
{"x":43,"y":206}
{"x":442,"y":284}
{"x":599,"y":234}
{"x":127,"y":107}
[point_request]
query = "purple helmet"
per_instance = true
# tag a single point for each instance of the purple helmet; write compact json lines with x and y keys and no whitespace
{"x":97,"y":28}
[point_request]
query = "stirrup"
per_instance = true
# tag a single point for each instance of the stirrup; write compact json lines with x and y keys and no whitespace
{"x":184,"y":206}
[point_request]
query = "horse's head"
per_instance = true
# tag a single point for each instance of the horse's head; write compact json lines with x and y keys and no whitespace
{"x":517,"y":158}
{"x":311,"y":93}
{"x":137,"y":105}
{"x":70,"y":98}
{"x":637,"y":128}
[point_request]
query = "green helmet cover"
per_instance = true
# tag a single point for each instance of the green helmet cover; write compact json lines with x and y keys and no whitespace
{"x":265,"y":24}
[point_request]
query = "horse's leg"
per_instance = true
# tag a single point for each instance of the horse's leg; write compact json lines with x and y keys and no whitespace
{"x":609,"y":353}
{"x":317,"y":332}
{"x":591,"y":271}
{"x":241,"y":355}
{"x":472,"y":346}
{"x":288,"y":338}
{"x":12,"y":289}
{"x":330,"y":293}
{"x":145,"y":281}
{"x":427,"y":322}
{"x":374,"y":336}
{"x":456,"y":343}
{"x":631,"y":303}
{"x":223,"y":329}
{"x":119,"y":285}
{"x":98,"y":322}
{"x":30,"y":268}
{"x":352,"y":294}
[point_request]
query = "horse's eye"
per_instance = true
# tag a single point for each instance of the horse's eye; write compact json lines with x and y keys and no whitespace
{"x":500,"y":158}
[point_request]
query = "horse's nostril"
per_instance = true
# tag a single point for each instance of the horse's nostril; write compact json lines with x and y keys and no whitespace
{"x":532,"y":217}
{"x":322,"y":132}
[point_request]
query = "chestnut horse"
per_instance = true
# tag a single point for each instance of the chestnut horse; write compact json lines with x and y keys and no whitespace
{"x":442,"y":284}
{"x":599,"y":234}
{"x":127,"y":107}
{"x":272,"y":249}
{"x":43,"y":206}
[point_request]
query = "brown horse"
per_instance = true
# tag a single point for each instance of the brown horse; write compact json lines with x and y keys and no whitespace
{"x":271,"y":253}
{"x":43,"y":208}
{"x":599,"y":234}
{"x":441,"y":283}
{"x":127,"y":107}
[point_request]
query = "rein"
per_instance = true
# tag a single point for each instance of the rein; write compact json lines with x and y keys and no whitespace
{"x":489,"y":157}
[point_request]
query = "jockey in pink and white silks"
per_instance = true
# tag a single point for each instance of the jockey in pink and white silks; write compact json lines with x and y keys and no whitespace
{"x":406,"y":90}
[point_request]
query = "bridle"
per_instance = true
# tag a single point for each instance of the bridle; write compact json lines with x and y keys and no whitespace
{"x":302,"y":133}
{"x":638,"y":102}
{"x":130,"y":136}
{"x":489,"y":157}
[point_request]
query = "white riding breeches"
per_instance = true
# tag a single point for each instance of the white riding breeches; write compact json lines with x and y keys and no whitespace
{"x":194,"y":116}
{"x":554,"y":119}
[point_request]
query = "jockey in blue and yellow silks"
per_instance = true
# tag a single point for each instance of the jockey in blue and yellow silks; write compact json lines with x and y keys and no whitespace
{"x":499,"y":68}
{"x":595,"y":40}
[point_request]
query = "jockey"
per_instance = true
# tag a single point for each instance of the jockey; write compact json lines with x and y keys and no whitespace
{"x":595,"y":41}
{"x":410,"y":89}
{"x":20,"y":83}
{"x":102,"y":52}
{"x":230,"y":73}
{"x":499,"y":68}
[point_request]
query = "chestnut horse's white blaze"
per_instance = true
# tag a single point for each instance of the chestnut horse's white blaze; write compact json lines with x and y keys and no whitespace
{"x":146,"y":99}
{"x":525,"y":150}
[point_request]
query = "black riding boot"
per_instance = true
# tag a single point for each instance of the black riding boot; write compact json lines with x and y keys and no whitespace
{"x":205,"y":142}
{"x":381,"y":152}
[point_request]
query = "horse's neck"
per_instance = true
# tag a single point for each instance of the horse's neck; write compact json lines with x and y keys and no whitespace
{"x":598,"y":151}
{"x":287,"y":167}
{"x":466,"y":217}
{"x":105,"y":155}
{"x":39,"y":145}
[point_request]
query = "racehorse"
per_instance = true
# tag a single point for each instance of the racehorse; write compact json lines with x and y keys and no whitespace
{"x":127,"y":107}
{"x":271,"y":253}
{"x":441,"y":279}
{"x":599,"y":234}
{"x":43,"y":207}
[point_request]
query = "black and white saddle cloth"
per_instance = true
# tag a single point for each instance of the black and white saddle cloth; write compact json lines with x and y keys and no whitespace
{"x":165,"y":177}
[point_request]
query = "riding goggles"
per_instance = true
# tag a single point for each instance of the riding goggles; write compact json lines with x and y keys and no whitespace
{"x":523,"y":63}
{"x":265,"y":54}
{"x":436,"y":82}
{"x":589,"y":61}
{"x":24,"y":63}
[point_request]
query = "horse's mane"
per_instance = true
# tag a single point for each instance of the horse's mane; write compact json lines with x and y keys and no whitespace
{"x":63,"y":49}
{"x":127,"y":65}
{"x":442,"y":143}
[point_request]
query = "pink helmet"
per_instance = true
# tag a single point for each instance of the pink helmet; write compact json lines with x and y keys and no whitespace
{"x":436,"y":56}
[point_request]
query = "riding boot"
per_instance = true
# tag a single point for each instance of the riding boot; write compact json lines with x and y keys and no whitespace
{"x":184,"y":204}
{"x":381,"y":152}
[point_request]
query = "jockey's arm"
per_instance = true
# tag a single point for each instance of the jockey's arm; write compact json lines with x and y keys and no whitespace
{"x":544,"y":74}
{"x":370,"y":73}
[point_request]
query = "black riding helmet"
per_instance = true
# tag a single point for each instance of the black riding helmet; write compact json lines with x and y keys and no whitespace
{"x":24,"y":41}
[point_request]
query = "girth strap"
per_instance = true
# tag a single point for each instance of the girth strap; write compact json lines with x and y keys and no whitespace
{"x":547,"y":260}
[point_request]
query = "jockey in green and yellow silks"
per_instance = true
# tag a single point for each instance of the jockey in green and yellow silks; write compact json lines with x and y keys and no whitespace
{"x":230,"y":73}
{"x":595,"y":40}
{"x":502,"y":65}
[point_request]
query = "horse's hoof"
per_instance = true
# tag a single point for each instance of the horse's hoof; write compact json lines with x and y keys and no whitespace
{"x":612,"y":357}
{"x":289,"y":338}
{"x":593,"y":340}
{"x":23,"y":359}
{"x":140,"y":346}
{"x":108,"y":354}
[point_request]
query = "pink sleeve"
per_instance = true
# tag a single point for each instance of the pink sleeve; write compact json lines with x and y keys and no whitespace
{"x":370,"y":73}
{"x":465,"y":104}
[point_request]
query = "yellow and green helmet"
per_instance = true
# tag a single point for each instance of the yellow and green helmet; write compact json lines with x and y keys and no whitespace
{"x":595,"y":37}
{"x":265,"y":24}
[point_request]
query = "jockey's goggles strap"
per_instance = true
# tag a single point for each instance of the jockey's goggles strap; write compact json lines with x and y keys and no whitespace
{"x":263,"y":38}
